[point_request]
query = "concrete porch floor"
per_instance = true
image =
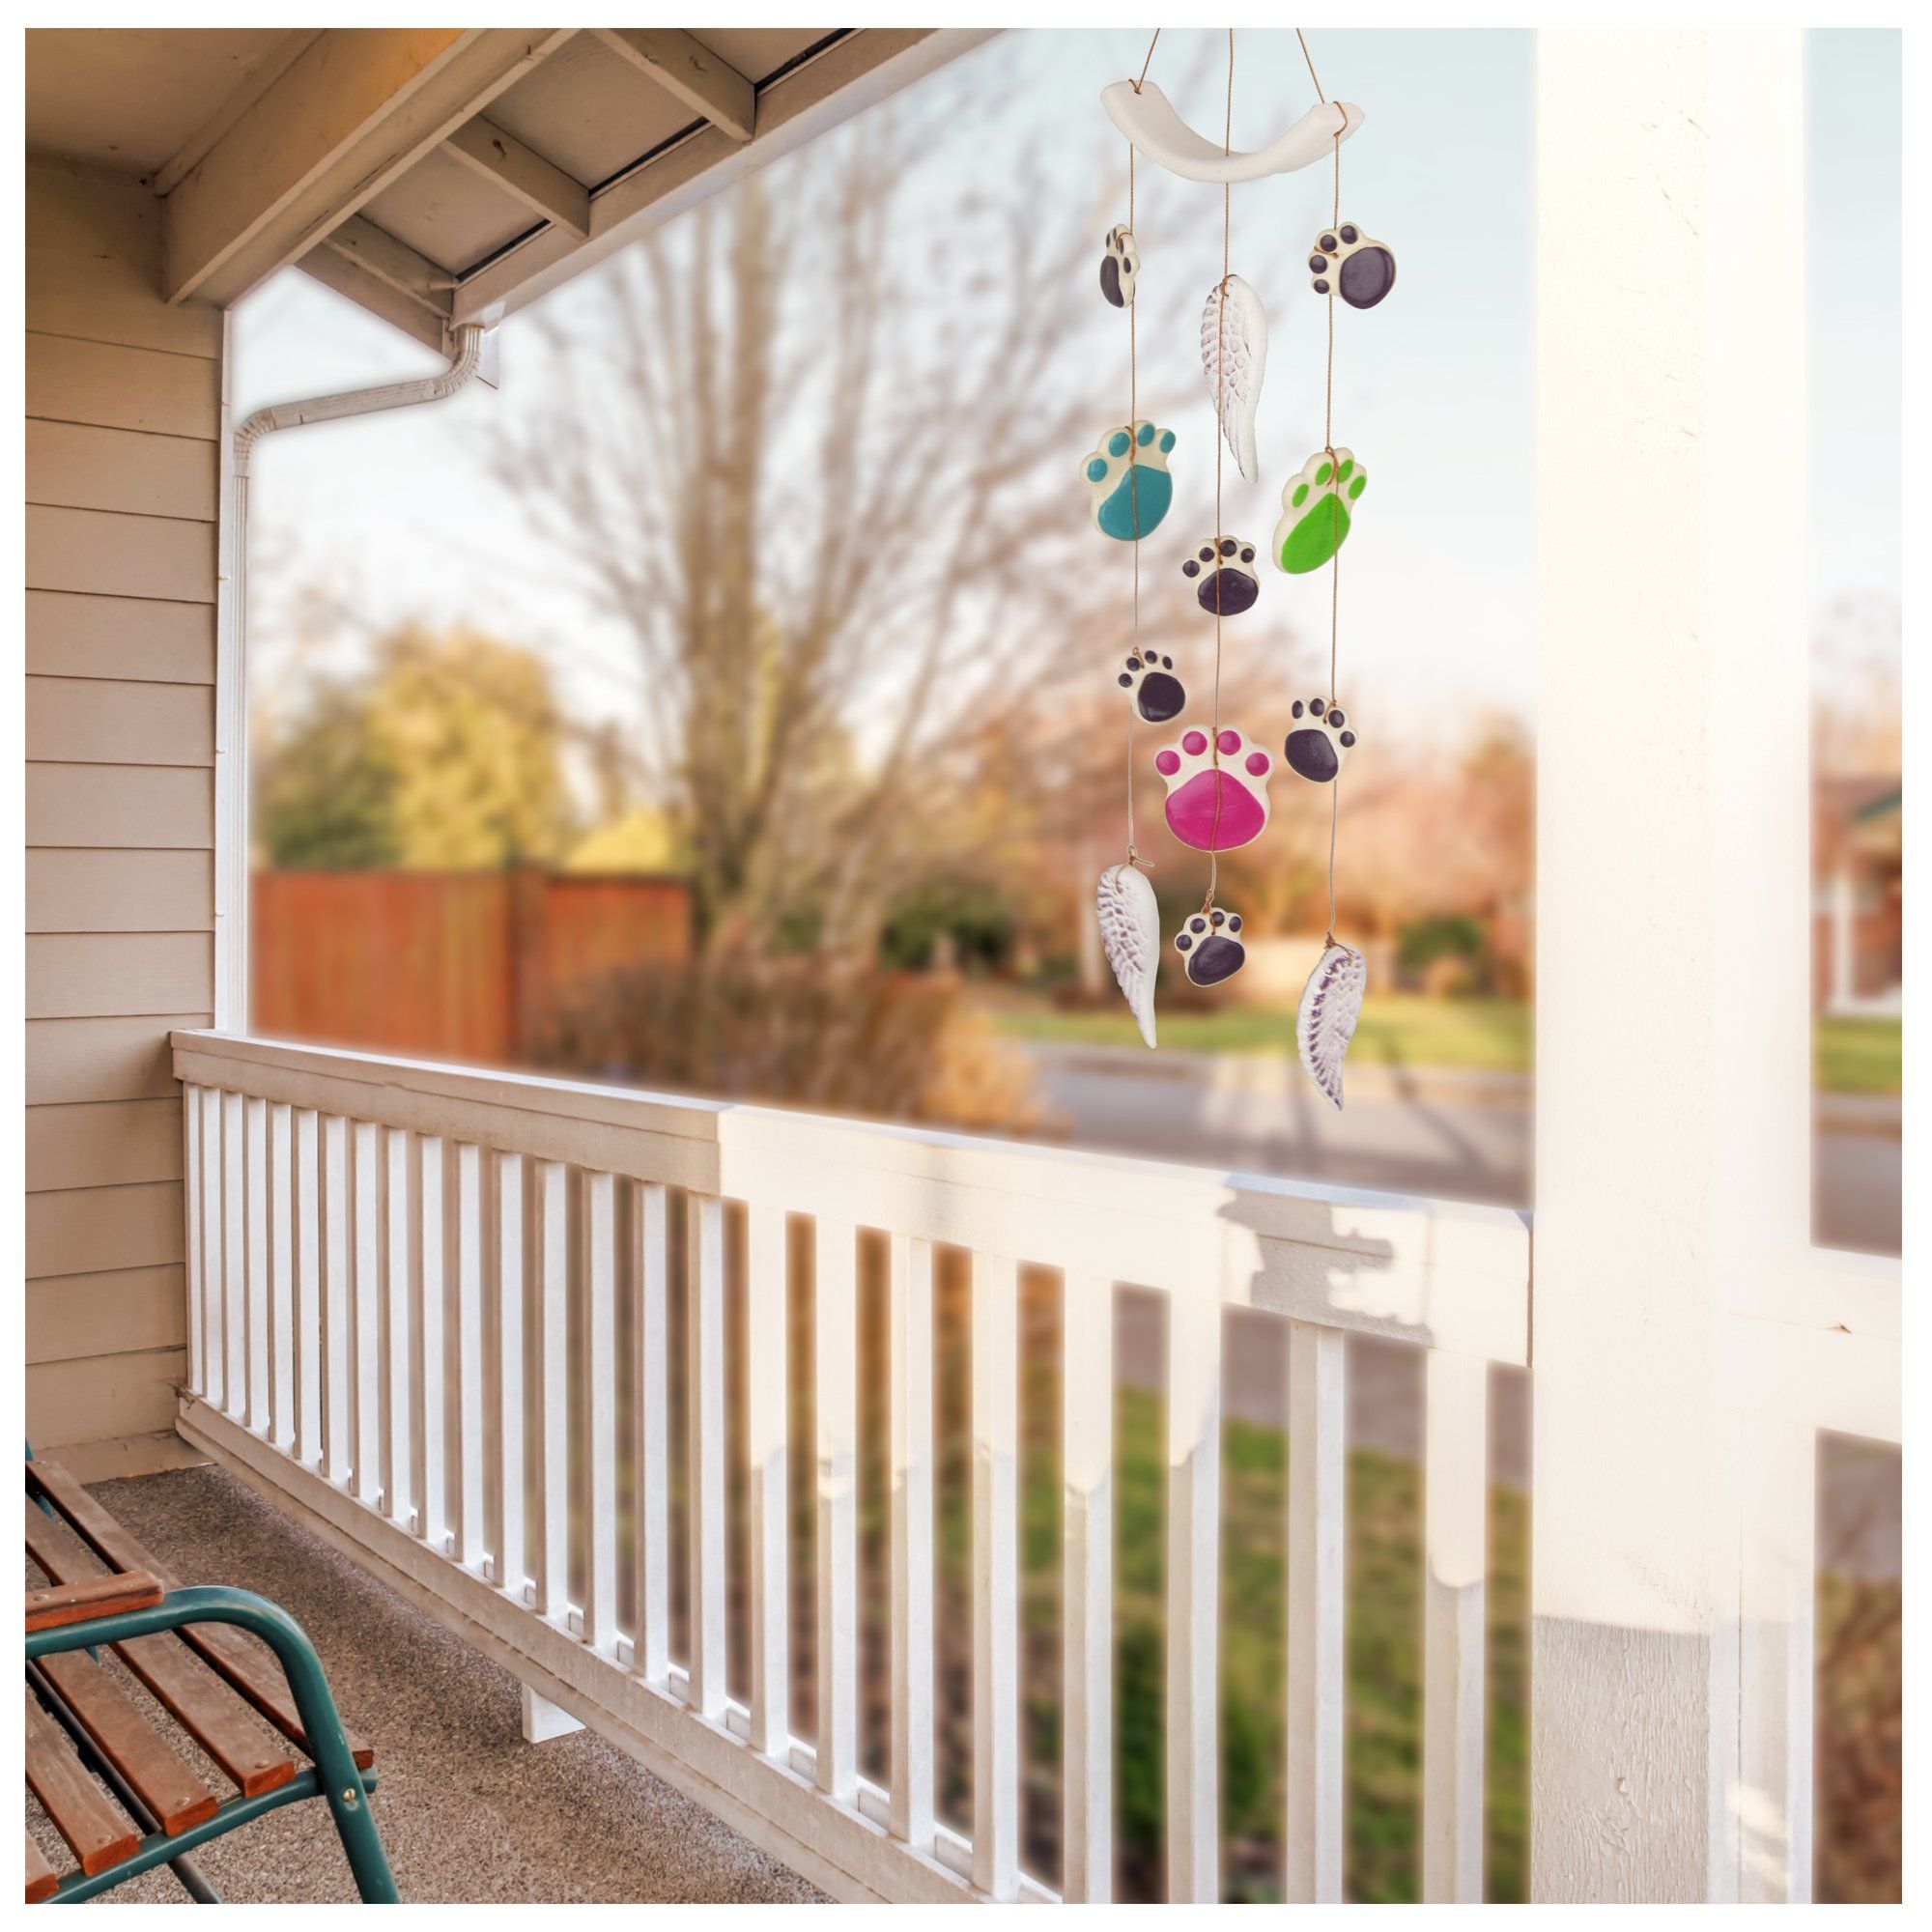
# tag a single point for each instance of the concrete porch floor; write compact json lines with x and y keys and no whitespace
{"x":468,"y":1811}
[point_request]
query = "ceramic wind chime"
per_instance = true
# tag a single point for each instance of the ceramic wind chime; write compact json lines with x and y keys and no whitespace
{"x":1216,"y":777}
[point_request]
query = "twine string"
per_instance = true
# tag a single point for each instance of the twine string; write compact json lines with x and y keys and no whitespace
{"x":1335,"y":562}
{"x":1148,"y":62}
{"x":1133,"y":485}
{"x":1133,"y":463}
{"x":1335,"y":498}
{"x":1220,"y":445}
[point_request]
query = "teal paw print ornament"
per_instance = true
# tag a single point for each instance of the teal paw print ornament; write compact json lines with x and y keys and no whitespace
{"x":1126,"y":476}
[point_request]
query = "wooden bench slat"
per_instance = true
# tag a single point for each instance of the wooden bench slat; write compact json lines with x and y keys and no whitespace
{"x":241,"y":1659}
{"x":193,"y":1695}
{"x":198,"y":1701}
{"x":175,"y":1796}
{"x":82,"y":1813}
{"x":41,"y":1877}
{"x":91,"y":1597}
{"x":253,"y":1669}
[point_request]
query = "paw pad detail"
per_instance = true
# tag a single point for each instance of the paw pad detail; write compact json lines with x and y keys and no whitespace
{"x":1215,"y":807}
{"x":1126,"y":475}
{"x":1210,"y":946}
{"x":1222,"y":571}
{"x":1151,"y":687}
{"x":1349,"y":263}
{"x":1119,"y":266}
{"x":1317,"y":510}
{"x":1319,"y":741}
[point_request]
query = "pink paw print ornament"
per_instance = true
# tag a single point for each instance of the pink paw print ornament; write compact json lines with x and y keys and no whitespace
{"x":1215,"y":807}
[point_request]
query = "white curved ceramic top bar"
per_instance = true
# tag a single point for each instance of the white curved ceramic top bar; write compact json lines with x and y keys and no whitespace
{"x":1148,"y":119}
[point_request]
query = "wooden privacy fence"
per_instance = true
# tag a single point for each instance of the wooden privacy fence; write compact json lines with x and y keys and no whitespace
{"x":466,"y":966}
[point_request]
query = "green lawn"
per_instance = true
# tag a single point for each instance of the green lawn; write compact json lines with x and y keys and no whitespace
{"x":1855,"y":1056}
{"x":1859,"y":1055}
{"x":1397,"y":1029}
{"x":1859,"y":1631}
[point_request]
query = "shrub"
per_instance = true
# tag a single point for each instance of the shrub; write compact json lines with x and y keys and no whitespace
{"x":1448,"y":954}
{"x":970,"y":923}
{"x":839,"y":1040}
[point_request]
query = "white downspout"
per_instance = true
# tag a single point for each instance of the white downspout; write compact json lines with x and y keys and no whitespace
{"x":231,"y":753}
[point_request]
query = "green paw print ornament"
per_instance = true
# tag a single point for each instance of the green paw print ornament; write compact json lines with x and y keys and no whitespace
{"x":1317,"y":510}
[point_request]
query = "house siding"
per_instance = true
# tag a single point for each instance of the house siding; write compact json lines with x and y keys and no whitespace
{"x":124,"y":421}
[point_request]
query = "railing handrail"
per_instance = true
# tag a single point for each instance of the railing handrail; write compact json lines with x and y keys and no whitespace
{"x":1447,"y":1274}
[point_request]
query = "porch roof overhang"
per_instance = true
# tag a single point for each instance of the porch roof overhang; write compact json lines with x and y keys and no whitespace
{"x":434,"y":176}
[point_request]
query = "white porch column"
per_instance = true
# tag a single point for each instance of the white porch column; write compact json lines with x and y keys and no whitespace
{"x":1672,"y":1152}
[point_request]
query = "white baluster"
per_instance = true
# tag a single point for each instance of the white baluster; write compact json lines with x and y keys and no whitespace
{"x":650,"y":1226}
{"x":996,"y":1699}
{"x":255,"y":1279}
{"x":1455,"y":1473}
{"x":1087,"y":1604}
{"x":910,"y":1378}
{"x":835,"y":1380}
{"x":1317,"y":1502}
{"x":1193,"y":1601}
{"x":472,"y":1529}
{"x":306,"y":1192}
{"x":282,"y":1275}
{"x":767,"y":1494}
{"x":508,"y":1249}
{"x":337,"y":1291}
{"x":704,"y":1352}
{"x":191,"y":1249}
{"x":366,"y":1216}
{"x":234,"y":1261}
{"x":1778,"y":1657}
{"x":399,"y":1270}
{"x":429,"y":1224}
{"x":600,"y":1371}
{"x":214,"y":1353}
{"x":550,"y":1246}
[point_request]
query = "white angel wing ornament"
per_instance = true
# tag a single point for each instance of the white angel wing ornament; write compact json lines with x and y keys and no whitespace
{"x":1233,"y":355}
{"x":1331,"y":1003}
{"x":1130,"y":931}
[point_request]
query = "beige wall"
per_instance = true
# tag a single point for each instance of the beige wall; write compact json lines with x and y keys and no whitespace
{"x":122,"y":420}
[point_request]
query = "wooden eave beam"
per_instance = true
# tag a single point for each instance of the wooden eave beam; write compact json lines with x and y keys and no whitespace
{"x":693,"y":72}
{"x":863,"y":68}
{"x":542,"y":186}
{"x":355,"y":109}
{"x":350,"y":280}
{"x":242,"y":96}
{"x":393,"y":262}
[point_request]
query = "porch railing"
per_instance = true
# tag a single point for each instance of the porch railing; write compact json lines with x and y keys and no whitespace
{"x":381,"y":1267}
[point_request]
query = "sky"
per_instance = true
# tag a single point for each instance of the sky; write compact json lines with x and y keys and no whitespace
{"x":1854,"y":239}
{"x":1433,"y":389}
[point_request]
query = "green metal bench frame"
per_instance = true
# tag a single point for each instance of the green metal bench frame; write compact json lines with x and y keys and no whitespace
{"x":332,"y":1774}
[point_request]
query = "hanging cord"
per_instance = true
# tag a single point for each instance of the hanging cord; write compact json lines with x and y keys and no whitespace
{"x":1220,"y":445}
{"x":1133,"y":485}
{"x":1334,"y":562}
{"x":1312,"y":74}
{"x":1328,"y":447}
{"x":1148,"y":62}
{"x":1133,"y":482}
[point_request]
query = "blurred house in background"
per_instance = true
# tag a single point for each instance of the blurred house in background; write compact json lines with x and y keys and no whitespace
{"x":1858,"y":862}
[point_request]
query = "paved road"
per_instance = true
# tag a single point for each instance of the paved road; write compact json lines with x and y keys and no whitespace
{"x":1462,"y":1137}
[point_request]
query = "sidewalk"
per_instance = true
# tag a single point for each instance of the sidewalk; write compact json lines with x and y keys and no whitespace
{"x":1277,"y":1073}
